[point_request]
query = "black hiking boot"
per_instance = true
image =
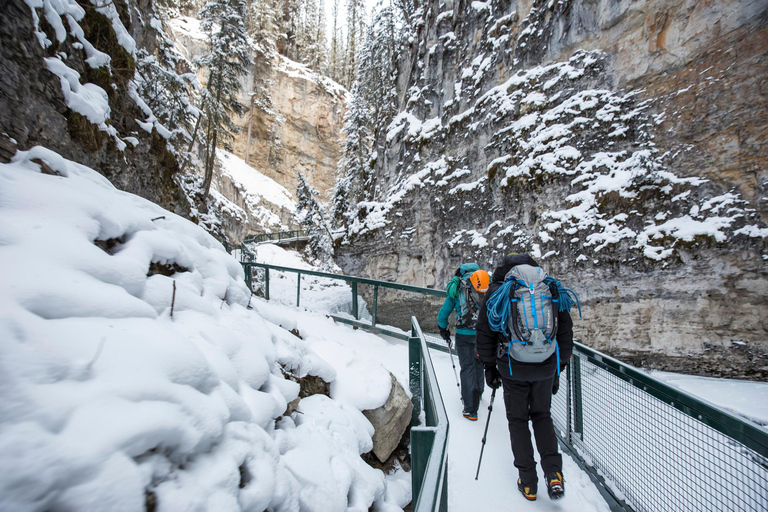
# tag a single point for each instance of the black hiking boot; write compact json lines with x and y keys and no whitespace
{"x":555,"y":485}
{"x":527,"y":490}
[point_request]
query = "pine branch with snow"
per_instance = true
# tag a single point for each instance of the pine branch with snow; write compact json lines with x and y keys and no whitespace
{"x":227,"y":60}
{"x":312,"y":216}
{"x":353,"y":186}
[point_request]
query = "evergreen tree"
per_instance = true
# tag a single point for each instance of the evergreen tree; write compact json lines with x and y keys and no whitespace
{"x":288,"y":25}
{"x":355,"y":33}
{"x":407,"y":9}
{"x":354,"y":183}
{"x":333,"y":69}
{"x":377,"y":71}
{"x":166,"y":84}
{"x":371,"y":109}
{"x":228,"y":57}
{"x":312,"y":216}
{"x":315,"y":51}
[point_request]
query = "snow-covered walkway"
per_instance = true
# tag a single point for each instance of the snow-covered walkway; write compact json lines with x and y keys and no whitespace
{"x":496,"y":489}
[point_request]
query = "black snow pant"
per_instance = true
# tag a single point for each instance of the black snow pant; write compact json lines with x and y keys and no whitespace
{"x":472,"y":377}
{"x":526,"y":400}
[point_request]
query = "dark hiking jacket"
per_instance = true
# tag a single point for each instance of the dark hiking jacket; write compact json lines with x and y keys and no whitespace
{"x":488,"y":341}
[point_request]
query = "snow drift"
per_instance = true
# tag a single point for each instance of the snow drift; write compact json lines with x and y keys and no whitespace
{"x":133,"y":373}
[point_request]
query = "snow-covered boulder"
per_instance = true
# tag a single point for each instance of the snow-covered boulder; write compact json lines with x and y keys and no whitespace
{"x":390,"y":421}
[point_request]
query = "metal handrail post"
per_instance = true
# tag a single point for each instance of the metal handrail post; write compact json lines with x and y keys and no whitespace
{"x":355,"y":308}
{"x":569,"y":405}
{"x":375,"y":303}
{"x":298,"y":288}
{"x":414,"y":376}
{"x":578,"y":413}
{"x":266,"y":283}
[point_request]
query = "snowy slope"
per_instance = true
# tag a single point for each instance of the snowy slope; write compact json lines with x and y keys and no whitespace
{"x":119,"y":389}
{"x":256,"y":185}
{"x":252,"y":200}
{"x":748,"y":399}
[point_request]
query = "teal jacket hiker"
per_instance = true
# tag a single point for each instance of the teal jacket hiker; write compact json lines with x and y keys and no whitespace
{"x":453,"y":302}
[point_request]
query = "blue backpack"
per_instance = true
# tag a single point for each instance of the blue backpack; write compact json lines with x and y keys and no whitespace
{"x":524,"y":309}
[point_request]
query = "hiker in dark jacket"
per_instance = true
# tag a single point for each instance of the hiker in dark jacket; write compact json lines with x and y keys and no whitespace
{"x":528,"y":390}
{"x":466,"y":308}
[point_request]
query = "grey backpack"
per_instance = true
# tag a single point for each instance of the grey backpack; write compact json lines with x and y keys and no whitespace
{"x":532,"y":321}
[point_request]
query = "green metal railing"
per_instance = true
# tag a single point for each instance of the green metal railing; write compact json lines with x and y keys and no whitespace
{"x":429,"y":442}
{"x":654,"y":447}
{"x":277,"y":237}
{"x":354,"y":282}
{"x":646,"y":445}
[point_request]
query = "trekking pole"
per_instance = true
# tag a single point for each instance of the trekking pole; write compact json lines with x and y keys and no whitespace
{"x":488,"y":421}
{"x":450,"y":353}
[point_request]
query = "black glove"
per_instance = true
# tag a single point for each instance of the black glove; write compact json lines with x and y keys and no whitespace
{"x":446,"y":334}
{"x":555,"y":384}
{"x":492,"y":376}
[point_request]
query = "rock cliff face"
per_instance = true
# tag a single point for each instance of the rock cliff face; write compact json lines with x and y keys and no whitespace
{"x":33,"y":107}
{"x":302,"y":133}
{"x":622,"y":143}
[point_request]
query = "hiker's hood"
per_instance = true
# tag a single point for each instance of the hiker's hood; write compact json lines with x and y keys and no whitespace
{"x":467,"y":268}
{"x":512,"y":261}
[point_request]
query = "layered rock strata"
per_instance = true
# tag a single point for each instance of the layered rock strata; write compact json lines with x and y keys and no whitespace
{"x":621,"y":143}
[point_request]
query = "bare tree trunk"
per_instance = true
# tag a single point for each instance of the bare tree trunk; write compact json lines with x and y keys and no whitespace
{"x":248,"y":138}
{"x":208,"y":168}
{"x":250,"y":118}
{"x":250,"y":18}
{"x":209,"y":165}
{"x":192,"y":142}
{"x":213,"y":125}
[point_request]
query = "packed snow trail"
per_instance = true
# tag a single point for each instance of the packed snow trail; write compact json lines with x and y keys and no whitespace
{"x":496,"y":487}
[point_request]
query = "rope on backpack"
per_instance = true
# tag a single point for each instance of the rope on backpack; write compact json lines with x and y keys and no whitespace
{"x":498,"y":306}
{"x":567,"y":296}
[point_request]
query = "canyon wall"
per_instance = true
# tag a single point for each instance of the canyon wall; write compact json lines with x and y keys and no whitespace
{"x":622,"y":143}
{"x":301,"y":132}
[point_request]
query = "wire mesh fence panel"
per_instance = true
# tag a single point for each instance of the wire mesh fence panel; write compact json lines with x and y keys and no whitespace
{"x":656,"y":457}
{"x":559,"y":407}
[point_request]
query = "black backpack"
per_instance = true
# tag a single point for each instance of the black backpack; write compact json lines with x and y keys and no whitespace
{"x":469,"y":305}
